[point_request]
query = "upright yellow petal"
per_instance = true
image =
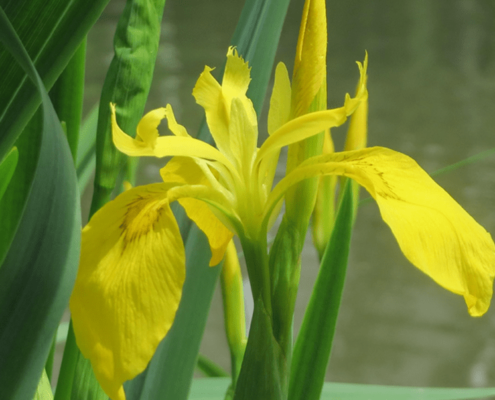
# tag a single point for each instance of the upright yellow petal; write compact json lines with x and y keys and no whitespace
{"x":310,"y":63}
{"x":434,"y":232}
{"x":243,"y":136}
{"x":128,"y":286}
{"x":217,"y":99}
{"x":279,"y":112}
{"x":187,"y":170}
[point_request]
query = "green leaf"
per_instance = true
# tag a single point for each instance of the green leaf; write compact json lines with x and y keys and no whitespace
{"x":52,"y":31}
{"x":171,"y":370}
{"x":7,"y":168}
{"x":262,"y":354}
{"x":209,"y":368}
{"x":214,"y":388}
{"x":44,"y":390}
{"x":39,"y":269}
{"x":127,"y":84}
{"x":85,"y":386}
{"x":314,"y":342}
{"x":86,"y":150}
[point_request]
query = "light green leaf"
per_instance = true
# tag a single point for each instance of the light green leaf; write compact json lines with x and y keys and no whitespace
{"x":214,"y":388}
{"x":44,"y":390}
{"x":39,"y":269}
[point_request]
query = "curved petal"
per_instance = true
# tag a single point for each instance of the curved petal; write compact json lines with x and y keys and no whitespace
{"x":129,"y":284}
{"x":357,"y":133}
{"x":188,"y":171}
{"x":311,"y":124}
{"x":434,"y":232}
{"x":180,"y":145}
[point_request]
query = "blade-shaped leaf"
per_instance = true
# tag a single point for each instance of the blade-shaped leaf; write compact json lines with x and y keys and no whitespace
{"x":7,"y":168}
{"x":53,"y":31}
{"x":214,"y":388}
{"x":38,"y":272}
{"x":314,"y":342}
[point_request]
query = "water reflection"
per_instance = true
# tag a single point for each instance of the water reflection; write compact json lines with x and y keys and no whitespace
{"x":432,"y":91}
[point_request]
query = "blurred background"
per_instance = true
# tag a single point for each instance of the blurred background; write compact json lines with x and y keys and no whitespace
{"x":432,"y":96}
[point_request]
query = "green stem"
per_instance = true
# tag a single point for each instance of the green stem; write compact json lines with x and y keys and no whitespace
{"x":233,"y":305}
{"x":68,"y":367}
{"x":256,"y":256}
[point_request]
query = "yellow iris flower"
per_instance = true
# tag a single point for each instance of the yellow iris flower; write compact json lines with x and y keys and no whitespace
{"x":132,"y":264}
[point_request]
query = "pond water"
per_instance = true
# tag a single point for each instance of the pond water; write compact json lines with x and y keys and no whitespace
{"x":432,"y":96}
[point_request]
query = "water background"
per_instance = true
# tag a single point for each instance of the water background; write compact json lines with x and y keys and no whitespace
{"x":432,"y":96}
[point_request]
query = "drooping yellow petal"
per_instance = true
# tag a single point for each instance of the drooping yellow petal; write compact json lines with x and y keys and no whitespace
{"x":434,"y":232}
{"x":310,"y":63}
{"x":129,"y":284}
{"x":187,"y":170}
{"x":279,"y":111}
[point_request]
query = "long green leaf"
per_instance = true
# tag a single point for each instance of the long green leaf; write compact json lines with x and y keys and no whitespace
{"x":43,"y":391}
{"x":86,"y":151}
{"x":170,"y":371}
{"x":214,"y":388}
{"x":38,"y":272}
{"x":7,"y":168}
{"x":314,"y":342}
{"x":52,"y":31}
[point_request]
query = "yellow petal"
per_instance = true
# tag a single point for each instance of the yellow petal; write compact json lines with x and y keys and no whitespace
{"x":208,"y":94}
{"x":147,"y":128}
{"x":358,"y":127}
{"x":217,"y":100}
{"x":313,"y":123}
{"x":243,"y":135}
{"x":180,"y":145}
{"x":188,"y":171}
{"x":217,"y":234}
{"x":280,"y":101}
{"x":129,"y":284}
{"x":310,"y":63}
{"x":434,"y":232}
{"x":236,"y":77}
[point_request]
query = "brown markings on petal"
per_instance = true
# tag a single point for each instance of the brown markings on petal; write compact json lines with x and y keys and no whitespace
{"x":141,"y":216}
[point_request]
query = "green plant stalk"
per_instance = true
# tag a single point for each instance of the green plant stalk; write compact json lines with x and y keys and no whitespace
{"x":285,"y":262}
{"x":49,"y":360}
{"x":314,"y":342}
{"x":209,"y":368}
{"x":233,"y":305}
{"x":68,"y":367}
{"x":127,"y":84}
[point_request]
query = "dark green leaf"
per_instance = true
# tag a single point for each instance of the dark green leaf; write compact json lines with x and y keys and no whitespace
{"x":260,"y":375}
{"x":7,"y":168}
{"x":52,"y":31}
{"x":314,"y":342}
{"x":39,"y":269}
